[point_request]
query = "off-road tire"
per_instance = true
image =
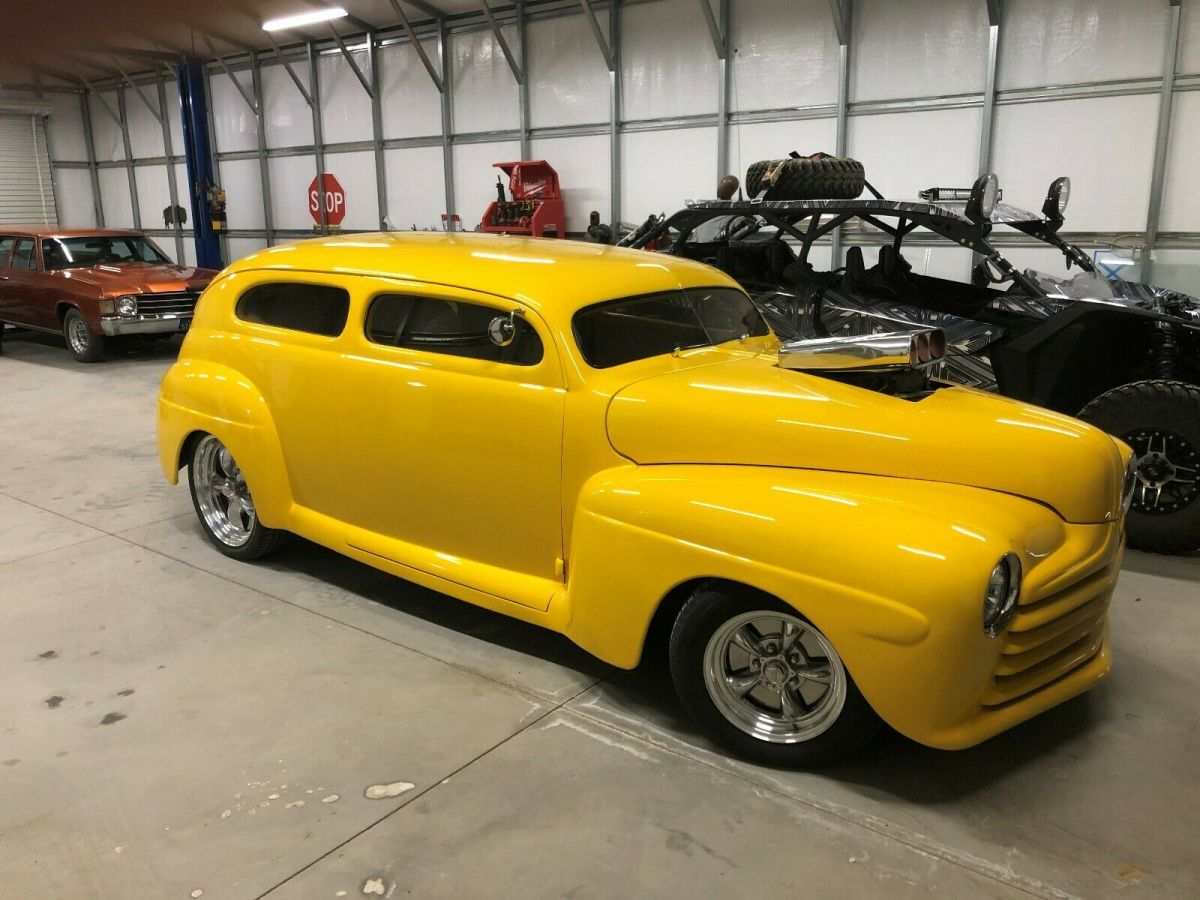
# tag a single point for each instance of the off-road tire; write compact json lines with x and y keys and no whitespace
{"x":87,"y":347}
{"x":1172,"y":406}
{"x":708,"y":610}
{"x":824,"y":178}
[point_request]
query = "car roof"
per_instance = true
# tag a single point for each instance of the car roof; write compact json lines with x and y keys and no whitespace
{"x":870,"y":206}
{"x":556,"y":276}
{"x":45,"y":231}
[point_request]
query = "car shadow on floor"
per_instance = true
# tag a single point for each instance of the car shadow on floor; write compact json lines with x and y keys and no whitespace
{"x":50,"y":351}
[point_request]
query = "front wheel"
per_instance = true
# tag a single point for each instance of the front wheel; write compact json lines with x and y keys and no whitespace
{"x":85,"y":345}
{"x":1160,"y":420}
{"x":224,"y":505}
{"x":765,"y":682}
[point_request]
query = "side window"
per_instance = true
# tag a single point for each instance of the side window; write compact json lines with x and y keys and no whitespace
{"x":315,"y":308}
{"x":448,"y":326}
{"x":23,"y":256}
{"x":6,"y":245}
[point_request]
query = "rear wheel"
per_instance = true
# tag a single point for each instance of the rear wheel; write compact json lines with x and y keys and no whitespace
{"x":85,"y":345}
{"x":765,"y":682}
{"x":224,"y":505}
{"x":1160,"y":420}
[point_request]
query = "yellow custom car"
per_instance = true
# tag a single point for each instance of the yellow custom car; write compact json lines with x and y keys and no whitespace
{"x":598,"y":440}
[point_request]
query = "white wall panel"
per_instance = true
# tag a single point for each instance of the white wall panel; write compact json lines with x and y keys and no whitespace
{"x":1189,"y":40}
{"x":106,"y":133}
{"x":114,"y":194}
{"x":662,"y":169}
{"x":568,"y":80}
{"x":290,"y":178}
{"x":940,"y":261}
{"x":907,"y":152}
{"x":775,"y":140}
{"x":242,"y":247}
{"x":416,"y":187}
{"x":355,"y":172}
{"x":1181,"y":191}
{"x":785,"y":53}
{"x":475,"y":179}
{"x":345,"y":106}
{"x":1106,"y":145}
{"x":917,"y":49}
{"x":485,"y":92}
{"x":411,"y":104}
{"x":154,"y":194}
{"x":243,"y":193}
{"x":583,"y":175}
{"x":234,"y":121}
{"x":1080,"y":40}
{"x":174,"y":117}
{"x":73,"y":194}
{"x":1178,"y":269}
{"x":64,"y":128}
{"x":1043,"y":259}
{"x":289,"y":120}
{"x":145,"y":134}
{"x":668,"y":64}
{"x":189,"y":250}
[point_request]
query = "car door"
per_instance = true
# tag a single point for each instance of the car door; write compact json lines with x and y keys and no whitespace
{"x":6,"y":295}
{"x":451,"y":446}
{"x":28,"y":289}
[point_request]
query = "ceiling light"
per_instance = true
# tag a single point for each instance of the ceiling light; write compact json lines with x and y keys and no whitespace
{"x":299,"y":20}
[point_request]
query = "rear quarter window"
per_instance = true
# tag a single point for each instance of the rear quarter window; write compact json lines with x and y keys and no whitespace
{"x":312,"y":308}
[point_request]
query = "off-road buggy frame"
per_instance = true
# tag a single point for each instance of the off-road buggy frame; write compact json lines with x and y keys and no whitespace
{"x":1124,"y":356}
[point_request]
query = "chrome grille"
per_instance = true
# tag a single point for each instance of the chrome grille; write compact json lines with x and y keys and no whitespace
{"x":1052,"y":636}
{"x":176,"y":304}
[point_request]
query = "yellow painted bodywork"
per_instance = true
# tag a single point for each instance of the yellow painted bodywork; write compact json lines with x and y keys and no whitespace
{"x":578,"y":499}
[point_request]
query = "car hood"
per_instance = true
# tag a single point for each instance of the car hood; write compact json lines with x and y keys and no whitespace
{"x":751,"y":412}
{"x":142,"y":279}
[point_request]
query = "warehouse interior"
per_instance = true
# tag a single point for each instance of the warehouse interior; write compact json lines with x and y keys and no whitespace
{"x":174,"y":722}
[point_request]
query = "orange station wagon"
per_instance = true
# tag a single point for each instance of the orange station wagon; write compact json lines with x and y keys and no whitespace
{"x":89,"y":285}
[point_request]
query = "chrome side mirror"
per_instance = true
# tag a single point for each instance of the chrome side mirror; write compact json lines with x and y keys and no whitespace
{"x":502,"y":330}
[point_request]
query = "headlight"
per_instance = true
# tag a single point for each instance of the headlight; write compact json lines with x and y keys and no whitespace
{"x":1000,"y":598}
{"x":126,"y":306}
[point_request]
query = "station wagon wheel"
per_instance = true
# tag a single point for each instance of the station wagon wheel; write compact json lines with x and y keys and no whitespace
{"x":765,"y":681}
{"x":224,"y":504}
{"x":84,"y":345}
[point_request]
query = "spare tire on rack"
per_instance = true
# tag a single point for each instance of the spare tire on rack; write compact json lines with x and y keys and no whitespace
{"x":817,"y":177}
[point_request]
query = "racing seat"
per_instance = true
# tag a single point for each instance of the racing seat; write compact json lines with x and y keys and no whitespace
{"x":855,"y":276}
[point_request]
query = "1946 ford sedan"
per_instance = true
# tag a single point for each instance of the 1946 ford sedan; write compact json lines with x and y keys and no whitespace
{"x":596,"y":440}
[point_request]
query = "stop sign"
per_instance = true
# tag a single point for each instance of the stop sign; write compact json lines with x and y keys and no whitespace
{"x":326,"y":189}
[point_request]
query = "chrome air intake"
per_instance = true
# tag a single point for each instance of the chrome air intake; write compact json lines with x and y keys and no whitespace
{"x":886,"y":352}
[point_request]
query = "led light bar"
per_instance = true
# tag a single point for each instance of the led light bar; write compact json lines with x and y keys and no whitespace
{"x":299,"y":20}
{"x":934,"y":194}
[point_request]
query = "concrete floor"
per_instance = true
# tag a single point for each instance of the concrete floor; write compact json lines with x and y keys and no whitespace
{"x":172,"y":722}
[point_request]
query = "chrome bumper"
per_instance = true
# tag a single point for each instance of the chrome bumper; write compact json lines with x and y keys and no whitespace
{"x":168,"y":323}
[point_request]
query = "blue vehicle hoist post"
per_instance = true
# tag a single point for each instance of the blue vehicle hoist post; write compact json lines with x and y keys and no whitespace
{"x":207,"y":219}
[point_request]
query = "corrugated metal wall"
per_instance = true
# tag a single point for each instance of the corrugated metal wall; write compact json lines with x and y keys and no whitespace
{"x":26,"y":189}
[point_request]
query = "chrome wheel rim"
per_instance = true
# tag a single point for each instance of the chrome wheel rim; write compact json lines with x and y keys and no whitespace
{"x":775,"y":677}
{"x":221,"y":494}
{"x":1167,"y":469}
{"x":77,"y":335}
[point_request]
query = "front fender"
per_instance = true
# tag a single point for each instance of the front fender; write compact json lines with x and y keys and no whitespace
{"x":892,"y":571}
{"x":200,"y":396}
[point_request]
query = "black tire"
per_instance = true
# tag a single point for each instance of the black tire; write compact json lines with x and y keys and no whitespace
{"x":807,"y":178}
{"x":85,"y":345}
{"x":711,"y":610}
{"x":259,"y":542}
{"x":1156,"y":417}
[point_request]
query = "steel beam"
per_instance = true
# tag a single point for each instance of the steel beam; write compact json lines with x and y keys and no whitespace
{"x":523,"y":84}
{"x":314,"y":88}
{"x":225,"y":68}
{"x":346,"y":55}
{"x":605,"y":46}
{"x":717,"y":32}
{"x":723,"y":75}
{"x":135,"y":206}
{"x":264,"y":168}
{"x":841,"y":21}
{"x":498,"y":35}
{"x":1162,"y":138}
{"x":214,"y":150}
{"x":438,"y":82}
{"x":116,"y":116}
{"x":381,"y":194}
{"x":291,"y":72}
{"x":137,"y":90}
{"x":89,"y":143}
{"x":172,"y":188}
{"x":199,"y":160}
{"x":447,"y":118}
{"x":988,"y":118}
{"x":438,"y":15}
{"x":612,"y":55}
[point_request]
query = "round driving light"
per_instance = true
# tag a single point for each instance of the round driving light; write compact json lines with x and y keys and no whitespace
{"x":1000,"y":597}
{"x":991,"y":191}
{"x":126,"y":306}
{"x":1064,"y":194}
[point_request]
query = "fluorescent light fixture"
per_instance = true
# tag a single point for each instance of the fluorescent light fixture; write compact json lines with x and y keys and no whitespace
{"x":299,"y":20}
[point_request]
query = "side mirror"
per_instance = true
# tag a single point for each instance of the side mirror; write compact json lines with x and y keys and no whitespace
{"x":502,"y":330}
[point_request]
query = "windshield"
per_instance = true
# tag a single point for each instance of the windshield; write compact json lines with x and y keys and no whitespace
{"x":85,"y":252}
{"x":621,"y":331}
